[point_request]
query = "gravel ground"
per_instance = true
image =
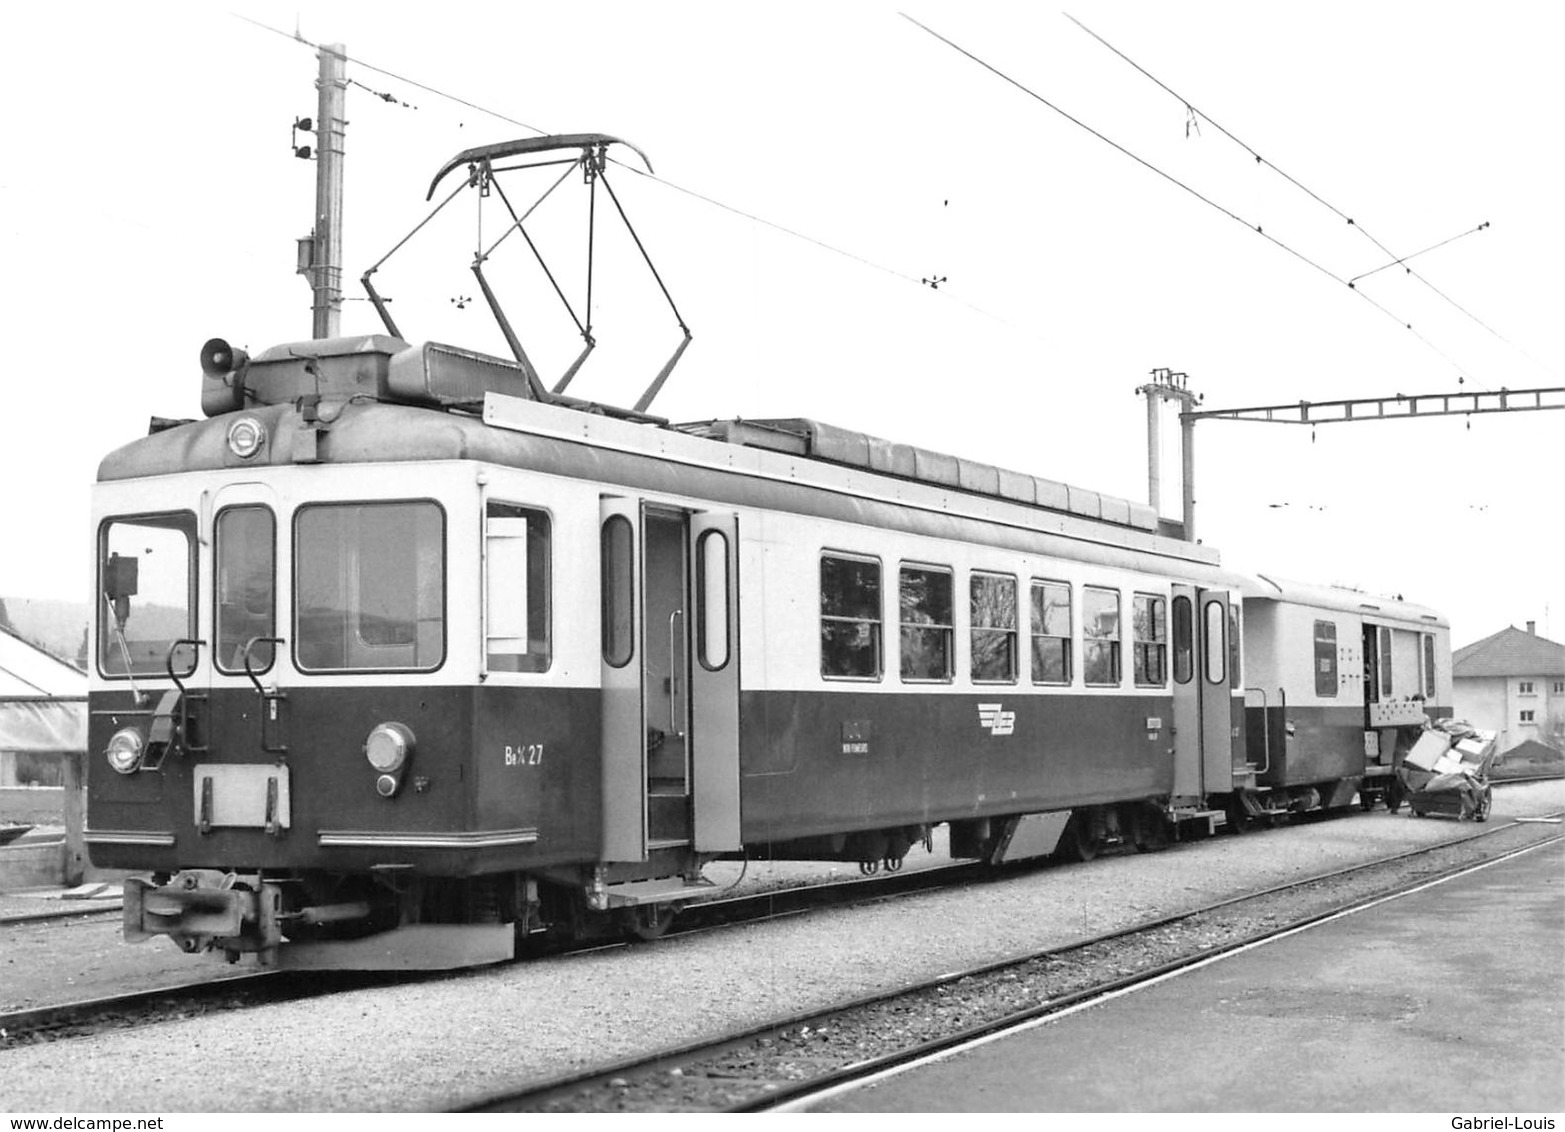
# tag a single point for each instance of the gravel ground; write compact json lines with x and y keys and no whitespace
{"x":435,"y":1044}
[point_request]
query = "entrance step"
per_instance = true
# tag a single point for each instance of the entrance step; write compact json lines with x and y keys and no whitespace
{"x":660,"y":891}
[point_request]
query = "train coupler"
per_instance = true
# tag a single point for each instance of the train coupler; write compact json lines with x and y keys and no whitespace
{"x":206,"y":909}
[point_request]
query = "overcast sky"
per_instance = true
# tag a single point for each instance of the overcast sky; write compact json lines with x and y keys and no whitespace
{"x":151,"y":200}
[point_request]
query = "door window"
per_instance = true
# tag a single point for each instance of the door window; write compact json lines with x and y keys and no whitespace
{"x":617,"y":550}
{"x":1215,"y":646}
{"x":246,"y":566}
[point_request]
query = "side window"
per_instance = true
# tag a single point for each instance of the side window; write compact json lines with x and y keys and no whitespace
{"x":1184,"y":640}
{"x":993,"y":628}
{"x":617,"y":552}
{"x":1149,"y":618}
{"x":1429,"y":666}
{"x":246,"y":567}
{"x":517,"y":588}
{"x":1385,"y":662}
{"x":146,"y":583}
{"x":850,"y":618}
{"x":1215,"y":644}
{"x":924,"y":598}
{"x":1325,"y":658}
{"x":1051,"y":633}
{"x":1100,"y":663}
{"x":369,"y":586}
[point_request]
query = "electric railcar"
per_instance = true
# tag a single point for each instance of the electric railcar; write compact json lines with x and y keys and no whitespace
{"x":397,"y":664}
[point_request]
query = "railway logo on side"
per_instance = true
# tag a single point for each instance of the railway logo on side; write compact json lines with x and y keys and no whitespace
{"x":997,"y":721}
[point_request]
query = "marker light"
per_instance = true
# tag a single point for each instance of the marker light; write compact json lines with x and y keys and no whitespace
{"x":388,"y":747}
{"x":245,"y":437}
{"x":124,"y":750}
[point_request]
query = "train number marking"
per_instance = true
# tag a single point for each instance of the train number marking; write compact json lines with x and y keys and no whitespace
{"x":526,"y":754}
{"x":997,"y":722}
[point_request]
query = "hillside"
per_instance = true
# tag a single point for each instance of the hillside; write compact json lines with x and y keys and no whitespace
{"x":57,"y":627}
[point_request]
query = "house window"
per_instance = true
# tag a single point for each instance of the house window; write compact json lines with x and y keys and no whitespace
{"x":1149,"y":618}
{"x":1051,"y":633}
{"x":850,"y":617}
{"x":1100,"y":632}
{"x":1525,"y":687}
{"x":993,"y":656}
{"x":1527,"y":717}
{"x":925,"y":599}
{"x":1559,"y":686}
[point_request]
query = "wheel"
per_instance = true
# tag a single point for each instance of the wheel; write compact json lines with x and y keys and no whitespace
{"x":1367,"y":801}
{"x":1485,"y":802}
{"x":1077,"y":843}
{"x":1151,"y":830}
{"x":1415,"y":812}
{"x":651,"y":921}
{"x":1239,"y":820}
{"x":1394,"y":795}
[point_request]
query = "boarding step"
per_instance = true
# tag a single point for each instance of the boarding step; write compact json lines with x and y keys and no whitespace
{"x":1215,"y":819}
{"x":660,"y":891}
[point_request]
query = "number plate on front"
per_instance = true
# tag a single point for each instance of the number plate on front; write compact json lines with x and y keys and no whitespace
{"x":248,"y":795}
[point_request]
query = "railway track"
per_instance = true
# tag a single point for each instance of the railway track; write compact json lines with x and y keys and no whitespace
{"x":256,"y":988}
{"x":782,"y":1063}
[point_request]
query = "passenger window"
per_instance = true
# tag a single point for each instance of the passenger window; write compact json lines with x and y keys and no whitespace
{"x":517,"y":588}
{"x":926,"y":637}
{"x":1385,"y":662}
{"x":1149,"y":617}
{"x":850,"y":618}
{"x":1325,"y":658}
{"x":246,"y":557}
{"x":1429,"y":667}
{"x":1051,"y":633}
{"x":369,"y":586}
{"x":993,"y":628}
{"x":1184,"y":641}
{"x":617,"y":546}
{"x":1100,"y":663}
{"x":1215,"y":645}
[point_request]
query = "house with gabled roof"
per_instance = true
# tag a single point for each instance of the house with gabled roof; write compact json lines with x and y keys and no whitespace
{"x":1512,"y":682}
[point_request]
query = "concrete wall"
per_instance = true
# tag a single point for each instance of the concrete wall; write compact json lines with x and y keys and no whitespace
{"x":1496,"y":703}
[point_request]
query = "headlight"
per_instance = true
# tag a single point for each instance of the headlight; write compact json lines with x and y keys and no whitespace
{"x":245,"y":437}
{"x":124,"y":750}
{"x":388,"y":747}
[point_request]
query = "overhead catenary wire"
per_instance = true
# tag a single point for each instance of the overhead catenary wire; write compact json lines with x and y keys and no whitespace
{"x":1395,"y":259}
{"x":296,"y":37}
{"x":1256,"y":228}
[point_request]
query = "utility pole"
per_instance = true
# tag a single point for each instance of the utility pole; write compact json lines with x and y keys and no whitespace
{"x":1170,"y":386}
{"x":323,"y":264}
{"x":1166,"y":385}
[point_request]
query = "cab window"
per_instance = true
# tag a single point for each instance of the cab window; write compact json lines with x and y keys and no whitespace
{"x":369,"y":586}
{"x":146,"y":583}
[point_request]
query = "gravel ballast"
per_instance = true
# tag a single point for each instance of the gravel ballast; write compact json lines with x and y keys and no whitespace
{"x":440,"y":1043}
